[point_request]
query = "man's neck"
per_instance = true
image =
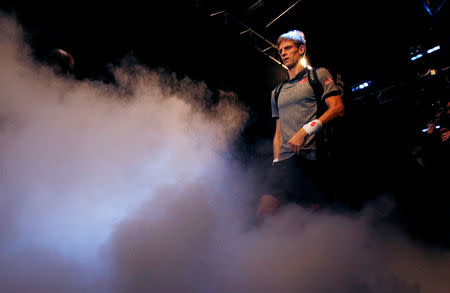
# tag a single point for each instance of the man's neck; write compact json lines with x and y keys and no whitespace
{"x":295,"y":70}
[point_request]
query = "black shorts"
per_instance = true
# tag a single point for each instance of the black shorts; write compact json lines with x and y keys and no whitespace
{"x":297,"y":180}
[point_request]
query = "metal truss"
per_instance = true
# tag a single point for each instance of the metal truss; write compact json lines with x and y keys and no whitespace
{"x":259,"y":42}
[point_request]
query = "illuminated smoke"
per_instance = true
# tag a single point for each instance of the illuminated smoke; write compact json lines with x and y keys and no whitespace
{"x":127,"y":189}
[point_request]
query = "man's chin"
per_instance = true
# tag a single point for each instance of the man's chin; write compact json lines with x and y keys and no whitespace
{"x":289,"y":65}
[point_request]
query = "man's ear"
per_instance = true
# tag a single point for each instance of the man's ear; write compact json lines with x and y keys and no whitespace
{"x":302,"y":49}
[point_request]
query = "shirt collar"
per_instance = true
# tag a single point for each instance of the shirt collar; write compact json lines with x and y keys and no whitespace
{"x":298,"y":76}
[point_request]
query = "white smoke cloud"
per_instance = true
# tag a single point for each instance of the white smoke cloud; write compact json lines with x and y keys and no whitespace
{"x":123,"y":189}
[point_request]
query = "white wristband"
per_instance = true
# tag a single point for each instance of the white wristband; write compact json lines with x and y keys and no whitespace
{"x":274,"y":161}
{"x":313,"y":126}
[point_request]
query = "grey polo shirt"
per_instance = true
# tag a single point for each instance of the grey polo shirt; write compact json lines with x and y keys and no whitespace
{"x":297,"y":106}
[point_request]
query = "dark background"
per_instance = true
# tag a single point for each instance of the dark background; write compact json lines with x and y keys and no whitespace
{"x":382,"y":148}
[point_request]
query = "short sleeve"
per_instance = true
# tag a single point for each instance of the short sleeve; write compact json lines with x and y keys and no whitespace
{"x":328,"y":83}
{"x":275,"y":113}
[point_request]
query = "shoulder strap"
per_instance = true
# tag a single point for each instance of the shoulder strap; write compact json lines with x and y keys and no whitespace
{"x":315,"y":83}
{"x":278,"y":90}
{"x":317,"y":87}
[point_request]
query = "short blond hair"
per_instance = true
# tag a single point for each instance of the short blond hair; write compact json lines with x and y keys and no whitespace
{"x":298,"y":37}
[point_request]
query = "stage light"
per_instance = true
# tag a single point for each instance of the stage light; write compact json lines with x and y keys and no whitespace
{"x":426,"y":129}
{"x":361,"y":86}
{"x":304,"y":62}
{"x":420,"y":55}
{"x":417,"y":57}
{"x":433,"y":49}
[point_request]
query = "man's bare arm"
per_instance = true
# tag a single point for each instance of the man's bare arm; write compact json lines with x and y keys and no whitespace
{"x":335,"y":109}
{"x":277,"y":140}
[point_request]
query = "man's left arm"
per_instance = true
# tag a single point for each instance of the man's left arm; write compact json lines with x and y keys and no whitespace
{"x":335,"y":109}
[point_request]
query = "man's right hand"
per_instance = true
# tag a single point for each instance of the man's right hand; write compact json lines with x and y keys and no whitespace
{"x":431,"y":128}
{"x":445,"y":136}
{"x":296,"y":142}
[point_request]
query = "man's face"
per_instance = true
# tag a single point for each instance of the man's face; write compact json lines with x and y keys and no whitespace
{"x":290,"y":53}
